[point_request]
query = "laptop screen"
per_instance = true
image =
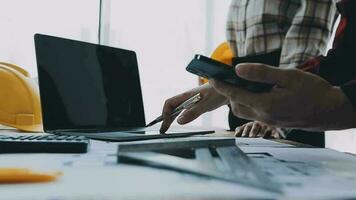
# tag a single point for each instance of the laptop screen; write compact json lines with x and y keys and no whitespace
{"x":87,"y":86}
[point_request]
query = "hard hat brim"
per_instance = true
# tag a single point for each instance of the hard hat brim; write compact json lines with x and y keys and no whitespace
{"x":37,"y":128}
{"x":33,"y":128}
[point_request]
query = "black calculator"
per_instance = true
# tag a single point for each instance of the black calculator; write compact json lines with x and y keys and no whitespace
{"x":39,"y":143}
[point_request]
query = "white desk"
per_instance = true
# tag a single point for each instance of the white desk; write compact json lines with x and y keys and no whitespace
{"x":96,"y":175}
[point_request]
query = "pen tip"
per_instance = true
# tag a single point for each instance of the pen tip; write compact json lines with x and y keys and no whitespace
{"x":150,"y":124}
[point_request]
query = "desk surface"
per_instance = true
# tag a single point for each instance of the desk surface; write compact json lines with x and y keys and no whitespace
{"x":96,"y":175}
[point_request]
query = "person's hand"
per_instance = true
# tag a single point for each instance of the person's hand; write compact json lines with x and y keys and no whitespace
{"x":298,"y":100}
{"x":258,"y":129}
{"x":210,"y":100}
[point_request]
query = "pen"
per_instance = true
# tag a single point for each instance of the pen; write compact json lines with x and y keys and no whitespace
{"x":189,"y":102}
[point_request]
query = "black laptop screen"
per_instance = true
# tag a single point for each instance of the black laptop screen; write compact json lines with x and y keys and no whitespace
{"x":87,"y":86}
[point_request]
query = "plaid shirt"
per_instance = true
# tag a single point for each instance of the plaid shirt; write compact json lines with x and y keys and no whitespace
{"x":339,"y":67}
{"x":299,"y":28}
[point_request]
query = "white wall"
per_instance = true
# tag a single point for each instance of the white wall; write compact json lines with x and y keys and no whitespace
{"x":21,"y":19}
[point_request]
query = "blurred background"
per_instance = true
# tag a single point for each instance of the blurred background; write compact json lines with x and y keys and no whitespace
{"x":164,"y":34}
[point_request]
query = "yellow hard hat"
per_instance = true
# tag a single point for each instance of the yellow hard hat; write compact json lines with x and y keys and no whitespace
{"x":222,"y":53}
{"x":19,"y":99}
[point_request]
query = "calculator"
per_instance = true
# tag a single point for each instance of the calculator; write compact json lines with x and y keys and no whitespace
{"x":48,"y":143}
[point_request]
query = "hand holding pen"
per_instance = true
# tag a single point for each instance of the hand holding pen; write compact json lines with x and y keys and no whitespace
{"x":186,"y":104}
{"x":209,"y":100}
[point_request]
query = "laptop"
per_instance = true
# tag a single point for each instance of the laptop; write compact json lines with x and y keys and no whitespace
{"x":94,"y":91}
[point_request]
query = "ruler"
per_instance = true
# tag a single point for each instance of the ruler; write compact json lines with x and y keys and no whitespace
{"x":231,"y":164}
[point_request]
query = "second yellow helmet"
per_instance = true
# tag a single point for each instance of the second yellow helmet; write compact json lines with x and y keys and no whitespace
{"x":19,"y":99}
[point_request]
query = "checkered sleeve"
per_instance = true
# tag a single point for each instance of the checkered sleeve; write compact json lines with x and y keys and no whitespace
{"x":309,"y":32}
